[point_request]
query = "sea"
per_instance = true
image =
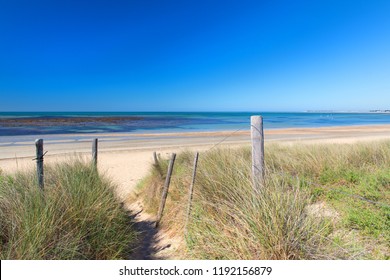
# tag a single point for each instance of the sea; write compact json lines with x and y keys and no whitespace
{"x":41,"y":123}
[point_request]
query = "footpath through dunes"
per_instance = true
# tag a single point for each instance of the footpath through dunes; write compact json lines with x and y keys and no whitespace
{"x":126,"y":159}
{"x":127,"y":169}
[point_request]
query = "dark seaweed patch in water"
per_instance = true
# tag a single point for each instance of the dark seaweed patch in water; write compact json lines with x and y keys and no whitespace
{"x":64,"y":121}
{"x":66,"y":125}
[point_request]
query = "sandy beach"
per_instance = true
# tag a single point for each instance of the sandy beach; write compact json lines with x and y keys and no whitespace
{"x":126,"y":158}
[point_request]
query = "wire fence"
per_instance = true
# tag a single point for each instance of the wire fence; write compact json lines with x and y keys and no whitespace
{"x":227,"y":137}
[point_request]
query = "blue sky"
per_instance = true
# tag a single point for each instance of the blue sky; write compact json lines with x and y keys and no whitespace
{"x":194,"y":55}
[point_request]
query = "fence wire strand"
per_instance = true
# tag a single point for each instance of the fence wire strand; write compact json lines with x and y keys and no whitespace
{"x":227,"y":137}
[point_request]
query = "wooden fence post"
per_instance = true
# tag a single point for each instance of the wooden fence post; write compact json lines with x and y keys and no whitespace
{"x":94,"y":152}
{"x":155,"y":158}
{"x":165,"y":189}
{"x":257,"y":136}
{"x":191,"y":191}
{"x":39,"y":159}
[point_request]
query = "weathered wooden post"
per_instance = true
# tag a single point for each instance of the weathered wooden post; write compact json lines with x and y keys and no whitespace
{"x":155,"y":160}
{"x":257,"y":136}
{"x":165,"y":189}
{"x":39,"y":159}
{"x":191,"y":191}
{"x":94,"y":152}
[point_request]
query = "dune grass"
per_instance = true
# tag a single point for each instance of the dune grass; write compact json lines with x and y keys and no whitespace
{"x":318,"y":202}
{"x":76,"y":217}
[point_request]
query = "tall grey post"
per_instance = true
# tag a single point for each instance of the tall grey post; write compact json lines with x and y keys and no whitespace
{"x":94,"y":152}
{"x":257,"y":137}
{"x":165,"y":189}
{"x":39,"y":159}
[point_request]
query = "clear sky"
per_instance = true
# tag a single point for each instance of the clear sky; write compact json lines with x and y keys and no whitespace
{"x":124,"y":55}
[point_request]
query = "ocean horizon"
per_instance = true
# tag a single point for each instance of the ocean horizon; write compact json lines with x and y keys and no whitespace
{"x":42,"y":123}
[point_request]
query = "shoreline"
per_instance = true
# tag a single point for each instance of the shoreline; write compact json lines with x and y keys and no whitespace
{"x":12,"y":147}
{"x":294,"y":130}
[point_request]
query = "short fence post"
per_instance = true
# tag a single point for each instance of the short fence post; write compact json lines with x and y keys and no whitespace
{"x":94,"y":152}
{"x":155,"y":158}
{"x":257,"y":136}
{"x":165,"y":189}
{"x":39,"y":159}
{"x":191,"y":191}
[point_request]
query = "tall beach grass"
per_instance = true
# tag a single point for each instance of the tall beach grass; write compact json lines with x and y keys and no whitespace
{"x":76,"y":216}
{"x":318,"y":201}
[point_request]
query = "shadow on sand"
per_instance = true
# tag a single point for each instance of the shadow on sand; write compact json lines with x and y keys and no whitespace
{"x":148,"y":245}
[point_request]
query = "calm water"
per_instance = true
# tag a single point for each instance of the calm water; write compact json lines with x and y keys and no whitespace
{"x":181,"y":122}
